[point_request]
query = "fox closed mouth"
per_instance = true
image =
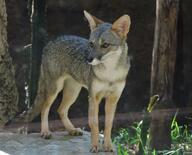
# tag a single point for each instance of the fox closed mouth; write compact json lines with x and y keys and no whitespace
{"x":94,"y":62}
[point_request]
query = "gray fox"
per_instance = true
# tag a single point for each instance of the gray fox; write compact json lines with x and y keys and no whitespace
{"x":99,"y":64}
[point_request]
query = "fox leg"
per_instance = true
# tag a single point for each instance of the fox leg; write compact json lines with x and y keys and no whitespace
{"x":45,"y":132}
{"x":50,"y":92}
{"x":110,"y":107}
{"x":70,"y":93}
{"x":94,"y":101}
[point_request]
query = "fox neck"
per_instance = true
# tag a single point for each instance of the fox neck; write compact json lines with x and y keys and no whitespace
{"x":111,"y":62}
{"x":113,"y":68}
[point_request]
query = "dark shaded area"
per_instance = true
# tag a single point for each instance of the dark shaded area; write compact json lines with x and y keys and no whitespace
{"x":187,"y":51}
{"x":66,"y":17}
{"x":39,"y":36}
{"x":183,"y":72}
{"x":19,"y":33}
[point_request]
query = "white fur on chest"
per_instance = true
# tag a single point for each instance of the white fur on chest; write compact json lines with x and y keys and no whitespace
{"x":107,"y":88}
{"x":110,"y":71}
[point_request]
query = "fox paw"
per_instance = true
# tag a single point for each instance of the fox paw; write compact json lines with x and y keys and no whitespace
{"x":76,"y":132}
{"x":46,"y":134}
{"x":108,"y":148}
{"x":94,"y":149}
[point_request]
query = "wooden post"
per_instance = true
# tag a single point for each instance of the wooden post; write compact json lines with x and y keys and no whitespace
{"x":163,"y":68}
{"x":38,"y":41}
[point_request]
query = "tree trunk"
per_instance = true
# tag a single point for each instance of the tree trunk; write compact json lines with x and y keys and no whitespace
{"x":8,"y":89}
{"x":39,"y":36}
{"x":163,"y":68}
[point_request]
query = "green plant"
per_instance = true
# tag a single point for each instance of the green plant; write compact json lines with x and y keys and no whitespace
{"x":135,"y":139}
{"x":128,"y":140}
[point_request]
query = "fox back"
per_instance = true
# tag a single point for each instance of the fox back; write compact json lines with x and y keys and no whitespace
{"x":66,"y":56}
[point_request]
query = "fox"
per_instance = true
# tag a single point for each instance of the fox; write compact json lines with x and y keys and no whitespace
{"x":100,"y":64}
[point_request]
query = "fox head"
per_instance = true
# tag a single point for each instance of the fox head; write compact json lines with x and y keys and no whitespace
{"x":106,"y":39}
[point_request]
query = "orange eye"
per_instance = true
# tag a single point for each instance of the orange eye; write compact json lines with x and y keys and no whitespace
{"x":105,"y":45}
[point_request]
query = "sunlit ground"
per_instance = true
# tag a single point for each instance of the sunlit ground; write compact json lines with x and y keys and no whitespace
{"x":3,"y":153}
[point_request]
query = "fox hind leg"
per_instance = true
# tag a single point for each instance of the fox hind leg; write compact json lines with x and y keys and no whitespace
{"x":45,"y":132}
{"x":51,"y":93}
{"x":70,"y":93}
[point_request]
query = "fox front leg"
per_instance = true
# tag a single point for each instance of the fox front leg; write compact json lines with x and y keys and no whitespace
{"x":94,"y":101}
{"x":110,"y":107}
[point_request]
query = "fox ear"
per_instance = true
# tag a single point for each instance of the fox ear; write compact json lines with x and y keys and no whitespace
{"x":93,"y":21}
{"x":121,"y":26}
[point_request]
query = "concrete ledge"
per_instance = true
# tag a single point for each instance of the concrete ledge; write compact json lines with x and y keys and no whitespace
{"x":32,"y":144}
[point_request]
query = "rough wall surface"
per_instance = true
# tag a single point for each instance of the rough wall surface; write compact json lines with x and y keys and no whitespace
{"x":8,"y":90}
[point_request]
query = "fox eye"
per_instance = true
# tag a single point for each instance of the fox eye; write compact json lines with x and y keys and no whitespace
{"x":105,"y":45}
{"x":91,"y":44}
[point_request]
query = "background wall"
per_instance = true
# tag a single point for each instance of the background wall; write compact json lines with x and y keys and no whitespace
{"x":66,"y":17}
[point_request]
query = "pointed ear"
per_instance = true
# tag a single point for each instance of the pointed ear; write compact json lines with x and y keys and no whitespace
{"x":93,"y":21}
{"x":121,"y":26}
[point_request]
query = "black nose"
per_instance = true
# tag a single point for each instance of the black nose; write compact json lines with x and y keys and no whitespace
{"x":90,"y":59}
